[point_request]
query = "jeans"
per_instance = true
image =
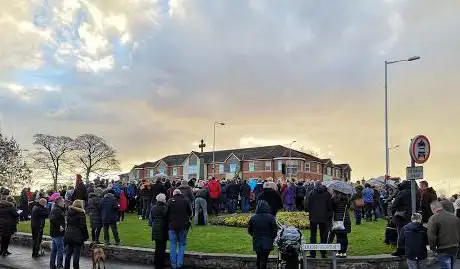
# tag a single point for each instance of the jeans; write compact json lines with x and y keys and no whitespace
{"x":72,"y":250}
{"x":245,"y":205}
{"x":145,"y":208}
{"x":112,"y":226}
{"x":342,"y":239}
{"x":57,"y":252}
{"x":323,"y":232}
{"x":176,"y":253}
{"x":368,"y":209}
{"x":95,"y":233}
{"x":262,"y":259}
{"x":415,"y":264}
{"x":160,"y":250}
{"x":232,"y":205}
{"x":203,"y":204}
{"x":445,"y":261}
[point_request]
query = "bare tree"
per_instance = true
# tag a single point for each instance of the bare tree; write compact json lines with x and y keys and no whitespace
{"x":52,"y":154}
{"x":95,"y":155}
{"x":14,"y":171}
{"x":309,"y":152}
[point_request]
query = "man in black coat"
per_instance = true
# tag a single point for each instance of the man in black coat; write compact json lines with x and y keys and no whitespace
{"x":157,"y":188}
{"x":57,"y":232}
{"x":319,"y":207}
{"x":80,"y":192}
{"x":232,"y":196}
{"x":39,"y":214}
{"x":8,"y":221}
{"x":179,"y":213}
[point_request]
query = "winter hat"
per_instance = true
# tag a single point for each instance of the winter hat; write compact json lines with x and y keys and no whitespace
{"x":161,"y":198}
{"x":78,"y":204}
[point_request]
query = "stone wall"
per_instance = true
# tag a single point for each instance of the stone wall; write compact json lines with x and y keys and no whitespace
{"x":226,"y":261}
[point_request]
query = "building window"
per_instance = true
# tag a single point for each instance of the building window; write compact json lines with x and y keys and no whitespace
{"x":329,"y":171}
{"x":161,"y":170}
{"x":232,"y":167}
{"x":174,"y":171}
{"x":268,"y":165}
{"x":221,"y":168}
{"x":192,"y":170}
{"x":252,"y":167}
{"x":307,"y":167}
{"x":151,"y":173}
{"x":292,"y":167}
{"x":280,"y":164}
{"x":137,"y":174}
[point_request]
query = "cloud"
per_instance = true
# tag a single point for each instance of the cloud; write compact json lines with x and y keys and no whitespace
{"x":153,"y":75}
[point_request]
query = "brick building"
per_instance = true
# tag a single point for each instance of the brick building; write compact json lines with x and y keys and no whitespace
{"x":247,"y":163}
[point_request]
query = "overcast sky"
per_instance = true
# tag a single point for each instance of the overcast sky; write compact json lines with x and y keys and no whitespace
{"x":151,"y":76}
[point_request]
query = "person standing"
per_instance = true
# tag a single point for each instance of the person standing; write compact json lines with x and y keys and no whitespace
{"x":201,"y":199}
{"x":271,"y":196}
{"x":57,"y":232}
{"x":179,"y":212}
{"x":76,"y":234}
{"x":300,"y":192}
{"x":443,"y":235}
{"x":8,"y":221}
{"x":245,"y":192}
{"x":80,"y":192}
{"x":319,"y":207}
{"x":263,"y":229}
{"x":146,"y":198}
{"x":159,"y":222}
{"x":109,"y":215}
{"x":123,"y":206}
{"x":24,"y":205}
{"x":214,"y":193}
{"x":368,"y":197}
{"x":289,"y":197}
{"x":157,"y":188}
{"x":414,"y":238}
{"x":340,"y":213}
{"x":427,"y":197}
{"x":94,"y":212}
{"x":39,"y":214}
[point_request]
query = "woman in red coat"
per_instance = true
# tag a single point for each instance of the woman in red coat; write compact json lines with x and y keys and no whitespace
{"x":123,"y":206}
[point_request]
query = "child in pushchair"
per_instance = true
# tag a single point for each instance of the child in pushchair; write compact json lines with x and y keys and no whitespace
{"x":289,"y":242}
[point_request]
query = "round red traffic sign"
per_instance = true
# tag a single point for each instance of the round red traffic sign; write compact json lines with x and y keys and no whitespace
{"x":420,"y":149}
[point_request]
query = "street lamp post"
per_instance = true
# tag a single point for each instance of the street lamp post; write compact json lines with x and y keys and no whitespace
{"x":392,"y":148}
{"x":214,"y":148}
{"x":290,"y":158}
{"x":387,"y":150}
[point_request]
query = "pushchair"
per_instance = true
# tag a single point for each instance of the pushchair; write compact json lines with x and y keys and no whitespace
{"x":289,"y":243}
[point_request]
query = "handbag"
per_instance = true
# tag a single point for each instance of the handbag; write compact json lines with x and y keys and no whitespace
{"x":359,"y":203}
{"x":339,"y":225}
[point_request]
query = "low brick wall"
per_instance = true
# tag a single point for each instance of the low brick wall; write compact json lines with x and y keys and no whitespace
{"x":227,"y":261}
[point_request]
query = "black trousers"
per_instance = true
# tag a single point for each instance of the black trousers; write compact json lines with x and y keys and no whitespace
{"x":215,"y":206}
{"x":262,"y":259}
{"x":299,"y":203}
{"x":75,"y":251}
{"x":5,"y":243}
{"x":114,"y":228}
{"x":323,"y":233}
{"x":37,"y":235}
{"x":95,"y":233}
{"x":160,"y":250}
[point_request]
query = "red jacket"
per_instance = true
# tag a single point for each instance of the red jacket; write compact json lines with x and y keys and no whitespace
{"x":123,"y":202}
{"x":214,"y":189}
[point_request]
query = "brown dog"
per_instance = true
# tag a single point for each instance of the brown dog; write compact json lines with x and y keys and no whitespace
{"x":98,"y":256}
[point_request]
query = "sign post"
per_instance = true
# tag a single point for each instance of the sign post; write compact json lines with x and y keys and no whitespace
{"x":419,"y":151}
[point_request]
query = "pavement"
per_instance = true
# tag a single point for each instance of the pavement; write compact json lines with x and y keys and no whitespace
{"x":21,"y":258}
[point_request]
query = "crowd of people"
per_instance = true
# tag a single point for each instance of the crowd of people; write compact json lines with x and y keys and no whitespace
{"x":171,"y":206}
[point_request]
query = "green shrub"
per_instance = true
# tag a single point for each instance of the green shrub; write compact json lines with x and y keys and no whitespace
{"x":296,"y":219}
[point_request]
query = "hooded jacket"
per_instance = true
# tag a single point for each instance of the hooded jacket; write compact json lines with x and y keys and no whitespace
{"x":414,"y":238}
{"x":319,"y":205}
{"x":94,"y":209}
{"x":159,"y":221}
{"x":262,"y":227}
{"x":214,"y":189}
{"x":273,"y":199}
{"x":109,"y":209}
{"x":179,"y":213}
{"x":8,"y":218}
{"x":57,"y":221}
{"x":76,"y":230}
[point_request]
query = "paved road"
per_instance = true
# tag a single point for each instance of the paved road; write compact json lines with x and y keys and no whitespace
{"x":22,"y":259}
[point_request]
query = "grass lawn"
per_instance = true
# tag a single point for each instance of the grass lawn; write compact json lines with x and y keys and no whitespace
{"x":365,"y":239}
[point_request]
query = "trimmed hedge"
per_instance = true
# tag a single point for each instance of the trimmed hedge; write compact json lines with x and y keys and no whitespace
{"x":296,"y":219}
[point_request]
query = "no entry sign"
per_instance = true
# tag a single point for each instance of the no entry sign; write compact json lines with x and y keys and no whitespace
{"x":420,"y":149}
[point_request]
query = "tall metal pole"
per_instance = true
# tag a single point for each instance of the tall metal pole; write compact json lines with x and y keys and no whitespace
{"x":213,"y":153}
{"x":387,"y":151}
